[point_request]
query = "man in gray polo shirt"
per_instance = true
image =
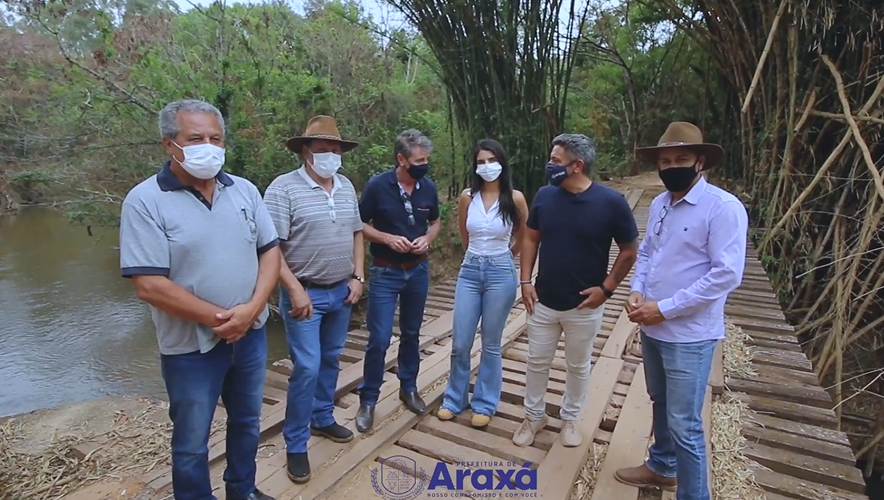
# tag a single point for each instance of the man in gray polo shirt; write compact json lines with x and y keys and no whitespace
{"x":316,"y":214}
{"x":202,"y":251}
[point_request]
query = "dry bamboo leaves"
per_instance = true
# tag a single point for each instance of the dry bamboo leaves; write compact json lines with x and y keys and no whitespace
{"x":134,"y":445}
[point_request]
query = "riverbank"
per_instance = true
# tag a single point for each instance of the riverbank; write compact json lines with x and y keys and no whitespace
{"x":103,"y":444}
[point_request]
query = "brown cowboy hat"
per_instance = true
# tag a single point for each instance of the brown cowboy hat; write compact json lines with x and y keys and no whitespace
{"x":683,"y":135}
{"x":320,"y":127}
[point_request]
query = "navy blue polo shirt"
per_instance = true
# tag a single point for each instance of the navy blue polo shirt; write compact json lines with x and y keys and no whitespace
{"x":382,"y":206}
{"x":576,"y":231}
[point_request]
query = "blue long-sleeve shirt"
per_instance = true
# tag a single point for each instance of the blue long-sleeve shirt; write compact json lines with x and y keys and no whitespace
{"x":691,"y":258}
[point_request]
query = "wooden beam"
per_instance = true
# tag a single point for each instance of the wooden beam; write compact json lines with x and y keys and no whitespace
{"x":629,"y":442}
{"x":716,"y":376}
{"x":616,"y":344}
{"x":559,"y":470}
{"x":367,"y":449}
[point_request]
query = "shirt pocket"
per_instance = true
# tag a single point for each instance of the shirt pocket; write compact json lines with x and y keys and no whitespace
{"x":248,"y":226}
{"x":692,"y":235}
{"x":421,"y":214}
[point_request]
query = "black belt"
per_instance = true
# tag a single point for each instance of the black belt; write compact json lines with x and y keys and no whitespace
{"x":309,"y":284}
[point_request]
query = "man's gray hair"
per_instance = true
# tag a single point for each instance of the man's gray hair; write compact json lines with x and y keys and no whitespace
{"x":410,"y":140}
{"x":169,"y":115}
{"x":580,"y":147}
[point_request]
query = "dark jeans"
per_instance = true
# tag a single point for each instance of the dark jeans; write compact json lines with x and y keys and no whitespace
{"x":194,"y":381}
{"x":314,"y":345}
{"x":386,"y":285}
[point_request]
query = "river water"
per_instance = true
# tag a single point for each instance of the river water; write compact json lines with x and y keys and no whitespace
{"x":71,"y":329}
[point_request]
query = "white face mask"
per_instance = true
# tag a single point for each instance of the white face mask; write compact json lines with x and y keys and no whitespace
{"x":326,"y":165}
{"x":202,"y":161}
{"x":489,"y":171}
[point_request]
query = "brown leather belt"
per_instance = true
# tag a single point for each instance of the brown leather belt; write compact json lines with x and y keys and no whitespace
{"x":399,"y":265}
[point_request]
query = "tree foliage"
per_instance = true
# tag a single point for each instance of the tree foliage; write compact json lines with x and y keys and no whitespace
{"x":84,"y":83}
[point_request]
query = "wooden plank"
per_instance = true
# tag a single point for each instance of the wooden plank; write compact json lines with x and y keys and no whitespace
{"x":798,"y":429}
{"x":616,"y":343}
{"x":497,"y":446}
{"x":807,"y":468}
{"x":367,"y":449}
{"x":782,"y":359}
{"x":790,"y":411}
{"x":800,"y":444}
{"x":716,"y":376}
{"x":628,"y":443}
{"x":364,"y":450}
{"x":795,"y":488}
{"x":796,"y":393}
{"x":559,"y":470}
{"x":707,"y":434}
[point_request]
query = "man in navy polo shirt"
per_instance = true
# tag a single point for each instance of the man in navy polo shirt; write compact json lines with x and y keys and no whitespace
{"x":202,"y":251}
{"x":400,"y":209}
{"x":573,"y":221}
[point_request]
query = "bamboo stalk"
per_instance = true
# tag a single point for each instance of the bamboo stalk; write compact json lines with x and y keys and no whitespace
{"x":764,"y":53}
{"x":854,"y":128}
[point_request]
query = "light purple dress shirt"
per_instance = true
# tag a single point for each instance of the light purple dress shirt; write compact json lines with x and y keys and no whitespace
{"x":690,"y":260}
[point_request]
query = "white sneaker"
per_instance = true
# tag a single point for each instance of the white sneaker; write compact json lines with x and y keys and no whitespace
{"x":570,"y":435}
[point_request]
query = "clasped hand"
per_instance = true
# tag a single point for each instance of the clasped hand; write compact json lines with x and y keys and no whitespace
{"x":401,"y":244}
{"x":642,"y":312}
{"x":235,"y":322}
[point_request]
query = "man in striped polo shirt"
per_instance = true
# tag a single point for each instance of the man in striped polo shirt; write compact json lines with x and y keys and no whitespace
{"x":316,"y":213}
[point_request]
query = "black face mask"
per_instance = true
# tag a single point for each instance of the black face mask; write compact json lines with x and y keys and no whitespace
{"x":678,"y":179}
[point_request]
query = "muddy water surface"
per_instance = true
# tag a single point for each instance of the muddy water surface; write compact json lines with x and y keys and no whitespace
{"x":71,"y":329}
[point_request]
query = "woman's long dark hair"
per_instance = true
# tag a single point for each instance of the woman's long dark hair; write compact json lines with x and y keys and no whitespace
{"x":508,"y":211}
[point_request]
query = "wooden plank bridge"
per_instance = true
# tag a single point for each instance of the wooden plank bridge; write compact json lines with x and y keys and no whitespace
{"x":791,"y":434}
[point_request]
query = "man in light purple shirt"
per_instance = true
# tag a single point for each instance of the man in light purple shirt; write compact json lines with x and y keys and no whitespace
{"x":691,"y":258}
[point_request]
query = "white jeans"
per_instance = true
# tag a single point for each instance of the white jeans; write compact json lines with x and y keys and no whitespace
{"x":545,"y":328}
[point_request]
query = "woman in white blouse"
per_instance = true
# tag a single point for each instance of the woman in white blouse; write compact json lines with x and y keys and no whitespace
{"x":490,"y":213}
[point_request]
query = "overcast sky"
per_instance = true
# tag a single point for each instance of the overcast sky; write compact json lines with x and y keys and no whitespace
{"x":379,"y":10}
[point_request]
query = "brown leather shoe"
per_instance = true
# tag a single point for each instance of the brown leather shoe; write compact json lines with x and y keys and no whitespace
{"x":642,"y":477}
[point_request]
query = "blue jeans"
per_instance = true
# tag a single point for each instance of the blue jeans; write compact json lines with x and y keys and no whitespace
{"x":676,"y":375}
{"x":314,"y":345}
{"x":194,"y":381}
{"x":486,"y":288}
{"x":387,"y":284}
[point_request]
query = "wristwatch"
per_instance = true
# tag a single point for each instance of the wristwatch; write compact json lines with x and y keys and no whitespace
{"x":608,"y":293}
{"x":358,"y":278}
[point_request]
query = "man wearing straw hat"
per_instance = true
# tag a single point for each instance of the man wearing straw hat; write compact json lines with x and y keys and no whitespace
{"x":316,"y":213}
{"x":691,"y":258}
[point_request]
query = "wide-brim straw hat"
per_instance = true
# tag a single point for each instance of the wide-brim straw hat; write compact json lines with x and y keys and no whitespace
{"x":320,"y":127}
{"x":684,"y":135}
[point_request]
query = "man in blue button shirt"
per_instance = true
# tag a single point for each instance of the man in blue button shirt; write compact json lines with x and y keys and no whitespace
{"x":400,"y":209}
{"x":691,"y":258}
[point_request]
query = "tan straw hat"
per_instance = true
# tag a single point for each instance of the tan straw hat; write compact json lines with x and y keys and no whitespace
{"x":320,"y":127}
{"x":684,"y":135}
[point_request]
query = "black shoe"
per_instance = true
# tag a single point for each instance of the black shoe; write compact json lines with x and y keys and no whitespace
{"x":298,"y":467}
{"x":255,"y":495}
{"x":336,"y":432}
{"x":413,"y":401}
{"x":364,"y":418}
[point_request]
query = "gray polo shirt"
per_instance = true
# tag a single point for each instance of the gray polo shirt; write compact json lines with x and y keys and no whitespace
{"x":209,"y":249}
{"x":316,"y":227}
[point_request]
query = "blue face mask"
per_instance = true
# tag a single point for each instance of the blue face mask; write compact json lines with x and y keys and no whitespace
{"x":556,"y":173}
{"x":417,"y":172}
